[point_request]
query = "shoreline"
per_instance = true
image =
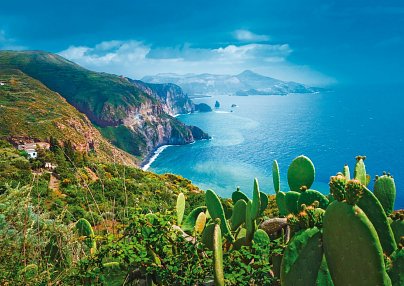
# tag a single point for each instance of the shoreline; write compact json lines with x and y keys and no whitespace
{"x":145,"y":165}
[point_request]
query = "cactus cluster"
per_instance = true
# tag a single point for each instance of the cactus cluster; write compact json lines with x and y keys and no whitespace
{"x":221,"y":232}
{"x":346,"y":240}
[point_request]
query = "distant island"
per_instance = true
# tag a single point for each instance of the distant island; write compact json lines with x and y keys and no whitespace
{"x":244,"y":84}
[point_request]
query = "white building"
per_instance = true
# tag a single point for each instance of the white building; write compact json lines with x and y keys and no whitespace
{"x":32,"y":153}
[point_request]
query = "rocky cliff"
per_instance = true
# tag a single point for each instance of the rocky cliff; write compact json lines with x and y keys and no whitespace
{"x":134,"y":116}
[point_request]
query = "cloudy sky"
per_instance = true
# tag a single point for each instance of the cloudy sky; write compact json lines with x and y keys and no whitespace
{"x":317,"y":42}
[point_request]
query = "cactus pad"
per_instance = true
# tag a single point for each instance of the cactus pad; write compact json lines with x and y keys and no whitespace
{"x":291,"y":202}
{"x":352,"y":248}
{"x":302,"y":258}
{"x":385,"y":192}
{"x":308,"y":197}
{"x":180,"y":208}
{"x":215,"y":208}
{"x":301,"y":173}
{"x":276,"y":177}
{"x":239,"y":214}
{"x":189,"y":222}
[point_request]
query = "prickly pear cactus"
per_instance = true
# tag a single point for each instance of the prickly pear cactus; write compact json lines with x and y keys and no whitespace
{"x":337,"y":187}
{"x":180,"y":208}
{"x":396,"y":271}
{"x":264,"y":202}
{"x":276,"y":177}
{"x":238,"y":195}
{"x":200,"y":223}
{"x":281,"y":203}
{"x":352,"y":248}
{"x":360,"y":170}
{"x":301,"y":173}
{"x":291,"y":202}
{"x":256,"y":201}
{"x":84,"y":229}
{"x":375,"y":212}
{"x":217,"y":256}
{"x":397,"y":224}
{"x":302,"y":258}
{"x":346,"y":172}
{"x":239,"y":214}
{"x":215,"y":208}
{"x":189,"y":223}
{"x":308,"y":197}
{"x":249,"y":224}
{"x":385,"y":192}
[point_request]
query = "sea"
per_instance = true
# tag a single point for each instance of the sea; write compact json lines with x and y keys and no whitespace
{"x":330,"y":127}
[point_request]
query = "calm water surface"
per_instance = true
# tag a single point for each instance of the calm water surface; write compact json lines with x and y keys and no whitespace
{"x":331,"y":128}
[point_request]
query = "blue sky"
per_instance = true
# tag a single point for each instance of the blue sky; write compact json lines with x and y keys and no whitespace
{"x":314,"y":41}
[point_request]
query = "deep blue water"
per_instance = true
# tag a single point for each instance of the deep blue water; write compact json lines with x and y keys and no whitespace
{"x":331,"y":128}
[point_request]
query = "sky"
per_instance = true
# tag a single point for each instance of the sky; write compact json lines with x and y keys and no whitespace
{"x":317,"y":42}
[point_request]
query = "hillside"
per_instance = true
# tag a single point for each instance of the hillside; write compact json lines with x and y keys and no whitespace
{"x":121,"y":109}
{"x":29,"y":110}
{"x":243,"y":84}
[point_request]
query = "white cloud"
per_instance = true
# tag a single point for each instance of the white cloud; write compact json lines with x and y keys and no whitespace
{"x":248,"y":36}
{"x":7,"y":43}
{"x":136,"y":59}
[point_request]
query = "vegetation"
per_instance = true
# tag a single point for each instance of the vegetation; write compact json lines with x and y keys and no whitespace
{"x":29,"y":110}
{"x":107,"y":100}
{"x":109,"y":224}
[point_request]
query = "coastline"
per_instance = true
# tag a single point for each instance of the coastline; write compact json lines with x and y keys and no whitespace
{"x":151,"y":158}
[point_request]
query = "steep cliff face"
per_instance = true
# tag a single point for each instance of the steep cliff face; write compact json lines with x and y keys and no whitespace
{"x":31,"y":112}
{"x":173,"y":98}
{"x":134,"y":116}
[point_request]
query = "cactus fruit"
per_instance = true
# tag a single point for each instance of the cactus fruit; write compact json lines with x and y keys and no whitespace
{"x":360,"y":170}
{"x":308,"y":197}
{"x":189,"y":223}
{"x":239,"y":214}
{"x":301,"y":173}
{"x":180,"y":208}
{"x":352,"y":248}
{"x":215,"y":208}
{"x":346,"y":172}
{"x":396,"y":271}
{"x":276,"y":177}
{"x":291,"y":199}
{"x":302,"y":258}
{"x":264,"y":202}
{"x":385,"y":192}
{"x":238,"y":195}
{"x":374,"y":211}
{"x":281,"y":203}
{"x":84,"y":229}
{"x":256,"y":201}
{"x":354,"y":191}
{"x":337,"y":187}
{"x":217,"y":256}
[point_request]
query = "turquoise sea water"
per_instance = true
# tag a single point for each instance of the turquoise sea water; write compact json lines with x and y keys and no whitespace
{"x":331,"y":128}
